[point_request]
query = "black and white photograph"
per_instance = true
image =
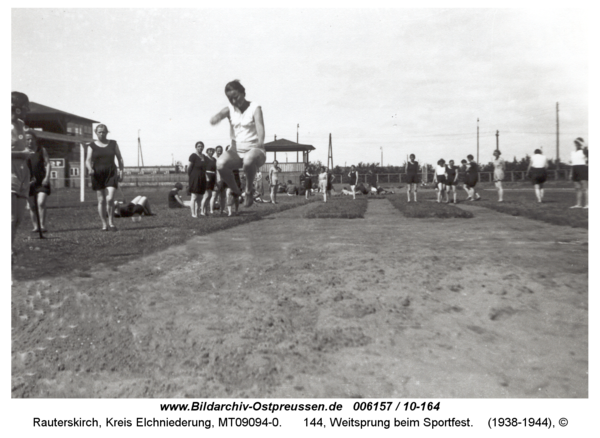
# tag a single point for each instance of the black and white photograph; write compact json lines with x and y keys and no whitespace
{"x":351,"y":204}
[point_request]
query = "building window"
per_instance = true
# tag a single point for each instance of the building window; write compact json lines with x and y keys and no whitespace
{"x":74,"y":171}
{"x":53,"y":174}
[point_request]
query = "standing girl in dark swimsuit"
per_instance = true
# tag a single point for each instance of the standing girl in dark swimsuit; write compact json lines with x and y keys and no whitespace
{"x":210,"y":169}
{"x":451,"y":180}
{"x":39,"y":189}
{"x":100,"y":163}
{"x":197,"y":178}
{"x":353,"y":175}
{"x":412,"y":175}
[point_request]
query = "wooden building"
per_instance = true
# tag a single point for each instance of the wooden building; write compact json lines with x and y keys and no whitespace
{"x":287,"y":149}
{"x":61,"y":134}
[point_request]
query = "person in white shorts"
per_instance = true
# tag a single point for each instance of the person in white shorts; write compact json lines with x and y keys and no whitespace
{"x":323,"y":182}
{"x":247,"y":132}
{"x":274,"y":180}
{"x":499,"y":166}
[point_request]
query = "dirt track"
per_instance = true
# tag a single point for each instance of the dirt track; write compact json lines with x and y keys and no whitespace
{"x":385,"y":306}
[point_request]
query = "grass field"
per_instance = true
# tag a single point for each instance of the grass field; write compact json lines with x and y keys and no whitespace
{"x":339,"y":207}
{"x":427,"y":208}
{"x":554,"y":210}
{"x":75,"y":242}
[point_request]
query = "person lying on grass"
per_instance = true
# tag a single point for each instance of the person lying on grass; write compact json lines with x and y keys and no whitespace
{"x":138,"y":205}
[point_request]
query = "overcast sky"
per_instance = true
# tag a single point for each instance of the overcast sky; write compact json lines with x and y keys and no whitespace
{"x":398,"y":80}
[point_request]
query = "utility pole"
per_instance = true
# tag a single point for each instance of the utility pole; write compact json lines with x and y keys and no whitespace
{"x":140,"y":150}
{"x":330,"y":154}
{"x":381,"y":147}
{"x":297,"y":128}
{"x":477,"y":139}
{"x":557,"y":147}
{"x":497,"y":141}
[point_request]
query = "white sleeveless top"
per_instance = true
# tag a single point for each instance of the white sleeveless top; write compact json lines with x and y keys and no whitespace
{"x":538,"y":161}
{"x":243,"y":128}
{"x":578,"y":158}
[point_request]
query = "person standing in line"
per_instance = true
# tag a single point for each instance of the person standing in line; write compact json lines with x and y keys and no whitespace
{"x":218,"y":196}
{"x":323,"y":182}
{"x":306,"y":177}
{"x":100,"y":163}
{"x":412,"y":176}
{"x":451,"y":179}
{"x":440,"y":180}
{"x":499,"y":166}
{"x":197,"y":179}
{"x":39,"y":188}
{"x":330,"y":177}
{"x":274,"y":180}
{"x":538,"y":171}
{"x":353,"y":175}
{"x":472,"y":177}
{"x":462,"y":176}
{"x":579,"y":172}
{"x":20,"y":154}
{"x":210,"y":170}
{"x":247,"y":130}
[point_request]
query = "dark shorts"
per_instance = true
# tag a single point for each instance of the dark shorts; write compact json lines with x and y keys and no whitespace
{"x":103,"y":178}
{"x":580,"y":173}
{"x":441,"y":179}
{"x":307,"y":184}
{"x":471,"y":181}
{"x":220,"y":186}
{"x":236,"y":177}
{"x":538,"y":176}
{"x":211,"y":180}
{"x":412,"y":178}
{"x":35,"y":189}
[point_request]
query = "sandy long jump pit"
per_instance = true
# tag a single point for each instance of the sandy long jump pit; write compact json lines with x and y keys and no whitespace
{"x":385,"y":306}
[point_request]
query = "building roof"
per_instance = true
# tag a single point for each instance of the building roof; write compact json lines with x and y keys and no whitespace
{"x":283,"y":145}
{"x":61,"y":137}
{"x":38,"y":112}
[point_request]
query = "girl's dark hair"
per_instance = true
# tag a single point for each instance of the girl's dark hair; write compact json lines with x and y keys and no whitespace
{"x":470,"y":157}
{"x":219,"y":147}
{"x":235,"y":85}
{"x":197,"y":143}
{"x":210,"y":150}
{"x":441,"y":162}
{"x":412,"y":156}
{"x":537,"y":151}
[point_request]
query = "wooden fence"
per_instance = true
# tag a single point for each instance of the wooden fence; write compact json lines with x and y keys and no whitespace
{"x":155,"y":180}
